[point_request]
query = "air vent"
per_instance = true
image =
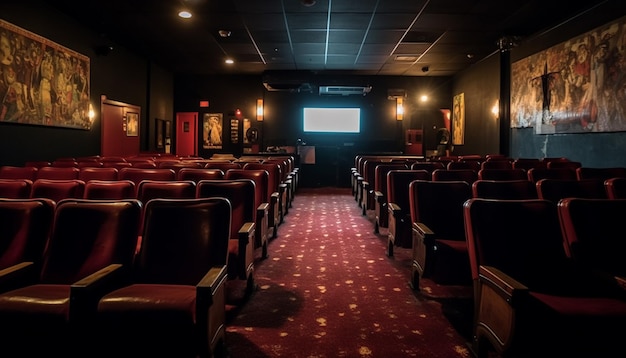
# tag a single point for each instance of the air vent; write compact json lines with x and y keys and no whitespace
{"x":345,"y":90}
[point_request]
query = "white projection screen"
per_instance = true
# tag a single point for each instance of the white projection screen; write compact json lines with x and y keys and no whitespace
{"x":331,"y":120}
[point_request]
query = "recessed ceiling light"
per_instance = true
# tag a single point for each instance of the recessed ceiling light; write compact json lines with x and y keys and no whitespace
{"x":229,"y":61}
{"x":185,"y":14}
{"x":405,"y":58}
{"x":308,"y":3}
{"x":224,"y":33}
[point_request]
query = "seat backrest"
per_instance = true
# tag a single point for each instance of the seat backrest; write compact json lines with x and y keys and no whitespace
{"x":260,"y":178}
{"x":97,"y":173}
{"x":496,"y":164}
{"x":196,"y":174}
{"x":536,"y":174}
{"x":37,"y":163}
{"x":380,"y":175}
{"x":398,"y":181}
{"x":523,"y":251}
{"x":504,"y":189}
{"x":600,"y":173}
{"x":563,"y":164}
{"x":528,"y":163}
{"x":467,"y":175}
{"x":182,"y":239}
{"x":369,"y":170}
{"x":285,"y":168}
{"x":139,"y":174}
{"x":59,"y":173}
{"x":109,"y":189}
{"x":240,"y":193}
{"x":177,"y":166}
{"x":87,"y":235}
{"x":464,"y":164}
{"x":615,"y":188}
{"x":173,"y":189}
{"x":15,"y":188}
{"x":274,"y":174}
{"x":112,"y":159}
{"x":65,"y":163}
{"x":593,"y":233}
{"x":13,"y":172}
{"x":556,"y":189}
{"x":117,"y":165}
{"x":224,"y":166}
{"x":428,"y":166}
{"x":439,"y":205}
{"x":57,"y":189}
{"x":25,"y":225}
{"x":502,"y":174}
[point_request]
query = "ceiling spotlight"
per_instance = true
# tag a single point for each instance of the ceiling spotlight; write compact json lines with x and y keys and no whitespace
{"x":229,"y":61}
{"x":308,"y":3}
{"x":224,"y":33}
{"x":470,"y":55}
{"x":184,"y":14}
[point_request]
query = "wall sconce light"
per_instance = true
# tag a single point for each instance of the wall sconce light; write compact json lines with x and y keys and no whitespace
{"x":91,"y":114}
{"x":259,"y":110}
{"x":399,"y":109}
{"x":495,"y":110}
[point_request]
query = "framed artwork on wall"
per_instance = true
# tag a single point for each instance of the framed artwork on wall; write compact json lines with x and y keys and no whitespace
{"x":132,"y":124}
{"x":47,"y":84}
{"x":212,"y":124}
{"x":574,"y":86}
{"x":458,"y":119}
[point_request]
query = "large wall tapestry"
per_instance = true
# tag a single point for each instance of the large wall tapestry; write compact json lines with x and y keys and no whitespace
{"x":41,"y":82}
{"x":574,"y":87}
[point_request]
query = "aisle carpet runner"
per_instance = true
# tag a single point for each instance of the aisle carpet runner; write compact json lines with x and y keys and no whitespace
{"x":328,"y":290}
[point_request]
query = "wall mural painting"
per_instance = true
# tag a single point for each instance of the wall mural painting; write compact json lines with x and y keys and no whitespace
{"x":212,"y":131}
{"x":577,"y":86}
{"x":41,"y":82}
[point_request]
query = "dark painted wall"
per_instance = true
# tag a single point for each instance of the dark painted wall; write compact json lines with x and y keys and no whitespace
{"x":481,"y":87}
{"x":127,"y":77}
{"x":120,"y":75}
{"x":282,"y":125}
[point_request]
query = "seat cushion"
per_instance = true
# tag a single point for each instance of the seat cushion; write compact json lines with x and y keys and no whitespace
{"x":49,"y":301}
{"x":177,"y":302}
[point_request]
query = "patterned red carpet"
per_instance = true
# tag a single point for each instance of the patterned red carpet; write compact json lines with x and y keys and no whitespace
{"x":328,"y":290}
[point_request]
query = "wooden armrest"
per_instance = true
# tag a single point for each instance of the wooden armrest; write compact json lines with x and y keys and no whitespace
{"x":422,"y":229}
{"x":379,"y":197}
{"x":503,"y":284}
{"x":97,"y":277}
{"x":394,"y":207}
{"x":427,"y":235}
{"x":85,"y":293}
{"x":245,"y":231}
{"x":621,"y":281}
{"x":13,"y":274}
{"x":263,"y":209}
{"x":212,"y":280}
{"x":209,"y":284}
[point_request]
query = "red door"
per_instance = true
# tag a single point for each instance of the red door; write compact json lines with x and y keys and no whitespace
{"x":186,"y":134}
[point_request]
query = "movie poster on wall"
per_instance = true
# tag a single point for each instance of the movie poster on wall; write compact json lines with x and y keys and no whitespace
{"x":577,"y":86}
{"x":42,"y":82}
{"x":212,"y":130}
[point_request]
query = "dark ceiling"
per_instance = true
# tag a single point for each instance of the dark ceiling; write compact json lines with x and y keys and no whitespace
{"x":369,"y":37}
